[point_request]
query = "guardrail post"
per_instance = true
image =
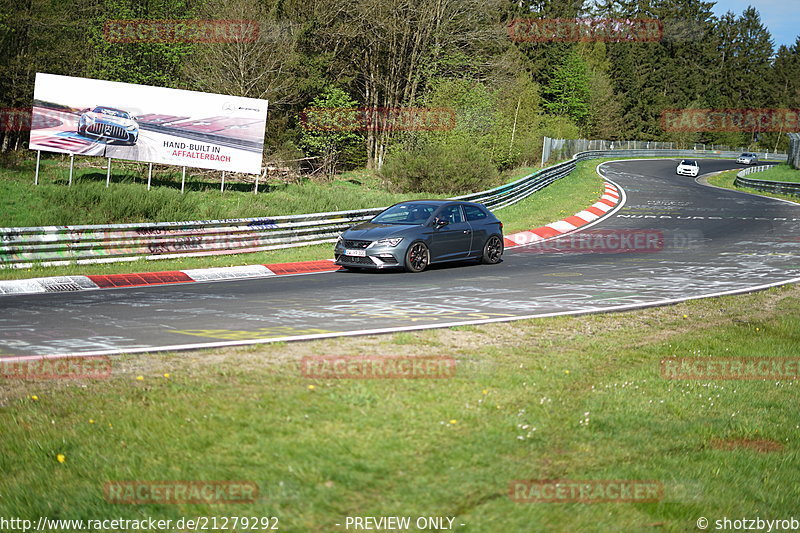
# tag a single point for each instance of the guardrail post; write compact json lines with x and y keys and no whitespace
{"x":183,"y":179}
{"x":36,"y":177}
{"x":71,"y":164}
{"x":108,"y":173}
{"x":222,"y":187}
{"x":149,"y":175}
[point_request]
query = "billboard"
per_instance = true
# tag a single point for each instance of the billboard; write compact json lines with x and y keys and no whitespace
{"x":147,"y":124}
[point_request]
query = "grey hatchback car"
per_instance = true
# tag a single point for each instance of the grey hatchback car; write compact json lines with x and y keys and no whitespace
{"x":415,"y":234}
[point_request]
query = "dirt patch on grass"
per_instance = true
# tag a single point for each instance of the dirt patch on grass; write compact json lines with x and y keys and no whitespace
{"x":759,"y":445}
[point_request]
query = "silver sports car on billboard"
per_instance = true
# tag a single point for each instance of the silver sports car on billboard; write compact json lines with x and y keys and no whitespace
{"x":415,"y":234}
{"x":109,"y":124}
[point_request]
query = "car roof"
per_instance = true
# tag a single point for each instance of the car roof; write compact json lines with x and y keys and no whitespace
{"x":110,"y":108}
{"x":439,"y":202}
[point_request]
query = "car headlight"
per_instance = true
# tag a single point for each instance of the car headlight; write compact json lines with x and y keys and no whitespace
{"x":340,"y":241}
{"x":131,"y":127}
{"x":388,"y":242}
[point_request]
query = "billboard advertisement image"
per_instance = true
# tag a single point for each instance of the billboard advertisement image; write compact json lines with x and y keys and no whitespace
{"x":147,"y":124}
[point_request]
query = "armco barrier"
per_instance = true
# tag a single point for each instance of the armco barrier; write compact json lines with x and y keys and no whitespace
{"x":53,"y":245}
{"x":779,"y":187}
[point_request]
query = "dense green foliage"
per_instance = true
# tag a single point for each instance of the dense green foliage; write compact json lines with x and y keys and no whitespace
{"x":506,"y":92}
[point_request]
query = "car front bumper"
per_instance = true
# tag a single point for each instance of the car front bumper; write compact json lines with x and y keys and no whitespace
{"x":691,"y":173}
{"x":112,"y":132}
{"x":377,"y":257}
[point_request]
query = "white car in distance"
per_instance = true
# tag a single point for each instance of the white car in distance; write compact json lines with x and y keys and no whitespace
{"x":688,"y":167}
{"x":748,"y":158}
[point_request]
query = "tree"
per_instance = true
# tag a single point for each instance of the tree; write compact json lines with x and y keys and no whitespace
{"x":148,"y":62}
{"x":38,"y":36}
{"x":605,"y":117}
{"x":567,"y":93}
{"x":391,"y":47}
{"x":786,"y":79}
{"x":261,"y":63}
{"x":328,"y":128}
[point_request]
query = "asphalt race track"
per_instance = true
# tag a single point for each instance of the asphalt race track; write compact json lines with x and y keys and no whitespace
{"x":701,"y":241}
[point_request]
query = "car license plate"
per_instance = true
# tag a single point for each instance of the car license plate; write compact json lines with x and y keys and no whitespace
{"x":356,"y":253}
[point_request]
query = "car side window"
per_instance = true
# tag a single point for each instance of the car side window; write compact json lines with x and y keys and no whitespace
{"x":452,"y":214}
{"x":474,"y":213}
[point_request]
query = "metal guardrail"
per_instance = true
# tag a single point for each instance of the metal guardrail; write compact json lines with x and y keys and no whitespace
{"x":780,"y":187}
{"x":54,"y":245}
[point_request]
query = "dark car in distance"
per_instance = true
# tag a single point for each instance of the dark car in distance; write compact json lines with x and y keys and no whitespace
{"x":415,"y":234}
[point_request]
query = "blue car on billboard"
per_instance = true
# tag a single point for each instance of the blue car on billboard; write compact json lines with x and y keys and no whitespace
{"x":109,"y":124}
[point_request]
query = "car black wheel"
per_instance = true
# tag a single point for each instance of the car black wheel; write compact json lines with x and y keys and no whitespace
{"x":417,"y":257}
{"x":492,"y":250}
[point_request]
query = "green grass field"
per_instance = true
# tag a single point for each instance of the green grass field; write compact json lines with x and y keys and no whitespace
{"x":725,"y":179}
{"x":781,"y":172}
{"x":560,"y":398}
{"x":127,"y":199}
{"x":563,"y":198}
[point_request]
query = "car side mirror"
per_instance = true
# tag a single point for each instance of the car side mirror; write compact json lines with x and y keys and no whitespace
{"x":440,"y":222}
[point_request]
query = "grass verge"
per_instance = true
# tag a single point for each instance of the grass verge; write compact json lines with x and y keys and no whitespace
{"x":88,"y":201}
{"x":726,"y":178}
{"x":781,"y":172}
{"x":563,"y":198}
{"x":574,"y":398}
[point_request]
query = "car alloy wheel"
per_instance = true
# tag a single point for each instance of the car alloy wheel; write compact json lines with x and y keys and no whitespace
{"x":417,"y":257}
{"x":492,"y":250}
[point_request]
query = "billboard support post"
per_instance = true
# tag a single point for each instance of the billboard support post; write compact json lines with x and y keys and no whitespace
{"x":149,"y":175}
{"x":108,"y":173}
{"x":36,"y":177}
{"x":183,"y":179}
{"x":71,"y":165}
{"x":222,"y":187}
{"x":255,"y":189}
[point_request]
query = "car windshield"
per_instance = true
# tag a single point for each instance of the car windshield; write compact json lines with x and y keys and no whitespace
{"x":689,"y":163}
{"x":413,"y":214}
{"x":111,"y":112}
